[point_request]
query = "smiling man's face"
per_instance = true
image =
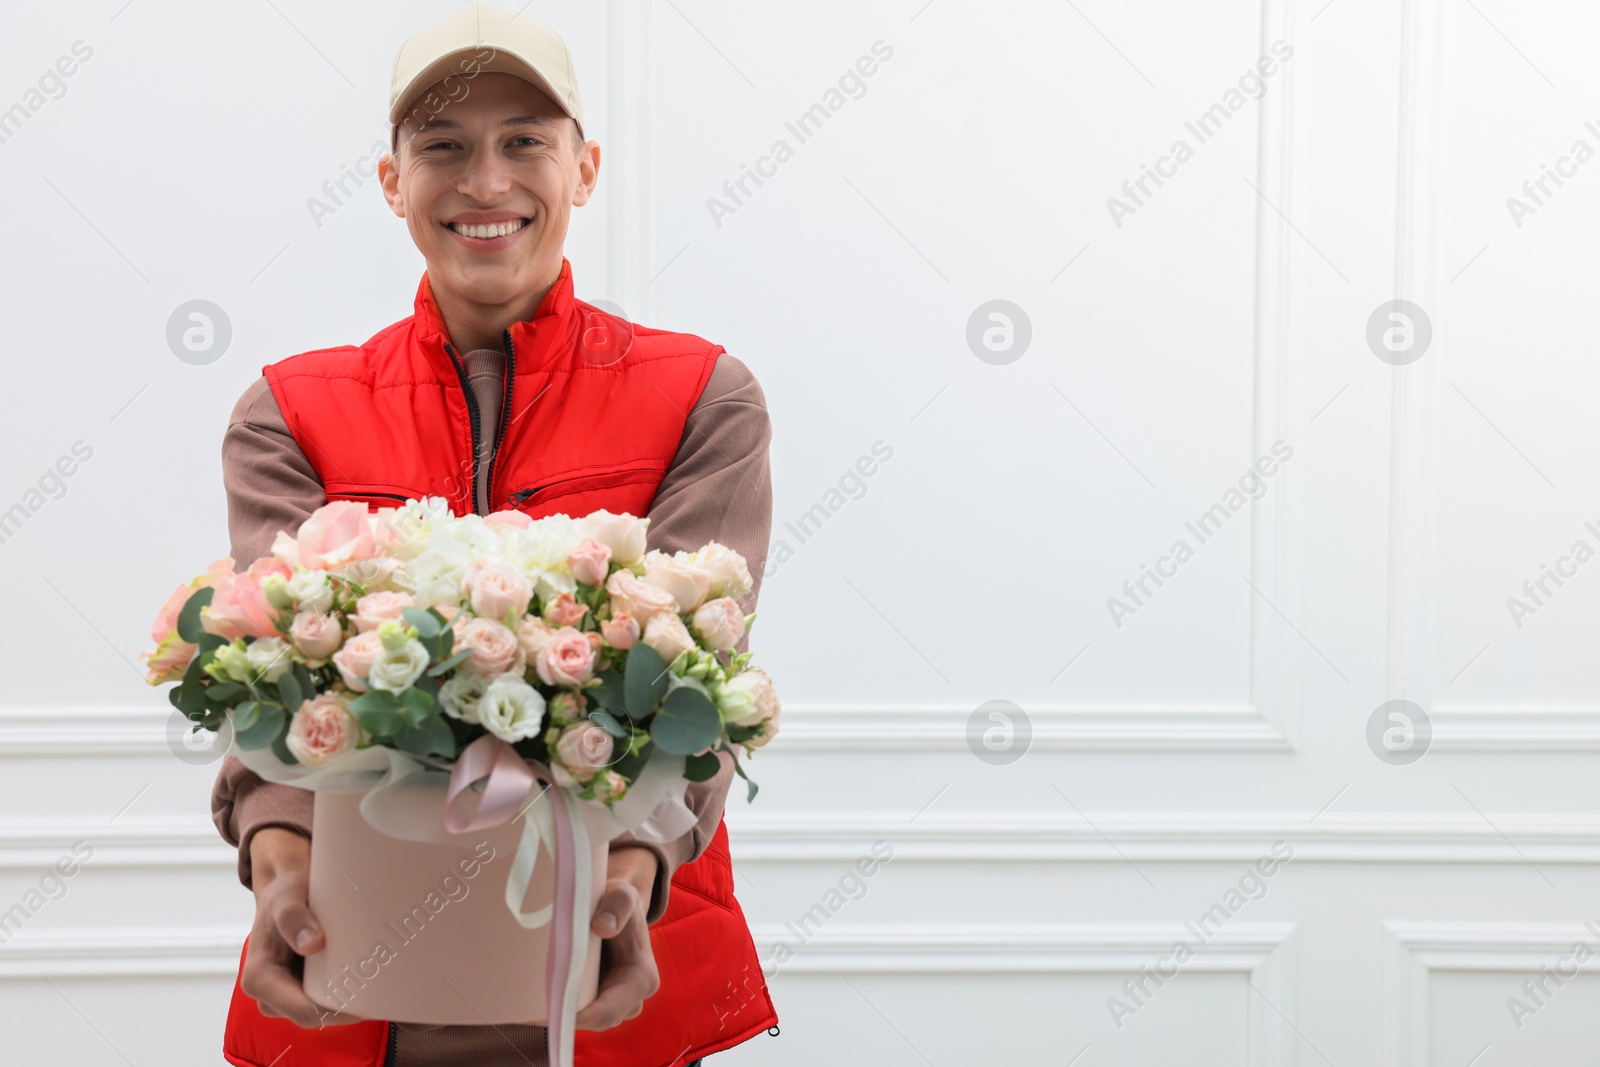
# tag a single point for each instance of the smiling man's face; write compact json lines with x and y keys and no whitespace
{"x":487,"y":187}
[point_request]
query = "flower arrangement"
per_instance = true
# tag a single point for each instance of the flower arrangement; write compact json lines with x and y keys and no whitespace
{"x":414,"y":628}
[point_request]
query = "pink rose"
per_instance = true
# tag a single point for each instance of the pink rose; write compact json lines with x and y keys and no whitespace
{"x":532,"y":636}
{"x":496,"y":589}
{"x":564,"y":610}
{"x":376,"y":607}
{"x":620,"y":631}
{"x":170,"y":658}
{"x":495,"y":649}
{"x":316,"y":635}
{"x":336,"y":533}
{"x":720,"y":622}
{"x":355,"y":659}
{"x":323,"y":728}
{"x":566,"y":659}
{"x":583,"y":748}
{"x":589,"y":562}
{"x":567,"y":706}
{"x":239,"y":608}
{"x":636,"y":598}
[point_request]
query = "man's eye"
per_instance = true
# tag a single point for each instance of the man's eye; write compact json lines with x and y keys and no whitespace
{"x":438,"y":144}
{"x":530,"y":140}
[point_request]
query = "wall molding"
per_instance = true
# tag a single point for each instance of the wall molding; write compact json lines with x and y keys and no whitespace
{"x":1388,"y":837}
{"x":1412,"y":951}
{"x":123,"y":952}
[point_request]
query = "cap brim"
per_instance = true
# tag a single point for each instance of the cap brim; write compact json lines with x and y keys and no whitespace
{"x":449,"y":65}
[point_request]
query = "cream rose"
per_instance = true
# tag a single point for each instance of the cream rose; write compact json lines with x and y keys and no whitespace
{"x":375,"y":608}
{"x":720,"y":622}
{"x":532,"y":635}
{"x":322,"y":728}
{"x":639,"y":599}
{"x":730,"y":575}
{"x":315,"y":634}
{"x":495,"y":648}
{"x":668,"y":636}
{"x":623,"y":534}
{"x":679,"y":575}
{"x":566,"y":659}
{"x":496,"y":590}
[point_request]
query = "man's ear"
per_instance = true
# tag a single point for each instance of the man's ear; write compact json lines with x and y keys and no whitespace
{"x":588,"y":172}
{"x":389,"y":179}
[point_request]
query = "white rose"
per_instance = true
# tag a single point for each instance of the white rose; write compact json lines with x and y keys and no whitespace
{"x":510,"y":708}
{"x":311,"y":591}
{"x":269,"y":656}
{"x":623,"y":534}
{"x":395,"y":669}
{"x":461,"y":694}
{"x":679,"y":575}
{"x":667,"y":635}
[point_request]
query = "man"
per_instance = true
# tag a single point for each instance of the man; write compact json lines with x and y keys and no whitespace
{"x":503,"y":391}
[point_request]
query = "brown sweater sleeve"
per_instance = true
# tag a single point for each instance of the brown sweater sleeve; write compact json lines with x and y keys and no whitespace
{"x":719,"y":488}
{"x":270,"y":486}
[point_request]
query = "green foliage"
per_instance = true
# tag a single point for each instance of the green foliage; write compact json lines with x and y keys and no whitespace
{"x":189,"y":618}
{"x":701,"y":768}
{"x":263,"y":729}
{"x":645,"y":682}
{"x":686,"y":723}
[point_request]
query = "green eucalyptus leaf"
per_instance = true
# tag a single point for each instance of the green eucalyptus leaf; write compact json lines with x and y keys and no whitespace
{"x":701,"y":768}
{"x":449,"y":664}
{"x":289,"y":692}
{"x":645,"y":682}
{"x":607,"y":722}
{"x":686,"y":723}
{"x":263,"y":731}
{"x":189,"y":627}
{"x":425,"y":620}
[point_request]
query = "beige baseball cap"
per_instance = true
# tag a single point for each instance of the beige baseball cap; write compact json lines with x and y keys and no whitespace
{"x":476,"y":38}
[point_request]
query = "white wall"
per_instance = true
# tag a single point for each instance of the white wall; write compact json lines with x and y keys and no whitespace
{"x":1229,"y":311}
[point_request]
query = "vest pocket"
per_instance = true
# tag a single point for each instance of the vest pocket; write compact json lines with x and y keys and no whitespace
{"x":373,"y":494}
{"x":538,"y":494}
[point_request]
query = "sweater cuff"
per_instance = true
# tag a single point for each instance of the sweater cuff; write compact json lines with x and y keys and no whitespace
{"x":261,"y":804}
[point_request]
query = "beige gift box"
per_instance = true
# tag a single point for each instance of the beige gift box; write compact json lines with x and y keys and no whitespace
{"x":421,"y":933}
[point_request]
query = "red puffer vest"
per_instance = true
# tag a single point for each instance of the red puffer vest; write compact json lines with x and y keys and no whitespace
{"x":592,"y":417}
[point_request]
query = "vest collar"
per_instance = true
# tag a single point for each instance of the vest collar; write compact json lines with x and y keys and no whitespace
{"x":556,"y":306}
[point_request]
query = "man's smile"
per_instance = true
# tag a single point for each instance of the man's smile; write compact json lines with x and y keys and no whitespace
{"x":481,"y":234}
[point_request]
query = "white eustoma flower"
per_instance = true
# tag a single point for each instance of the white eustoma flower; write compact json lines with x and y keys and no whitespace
{"x":311,"y":591}
{"x":461,"y":695}
{"x":269,"y":656}
{"x":395,"y":669}
{"x":510,"y":708}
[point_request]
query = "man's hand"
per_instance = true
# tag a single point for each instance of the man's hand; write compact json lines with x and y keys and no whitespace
{"x":628,"y":972}
{"x":280,"y":863}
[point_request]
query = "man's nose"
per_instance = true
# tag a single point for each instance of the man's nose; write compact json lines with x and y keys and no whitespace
{"x":487,"y":175}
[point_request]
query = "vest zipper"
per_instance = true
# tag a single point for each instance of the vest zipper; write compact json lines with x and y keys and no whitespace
{"x":394,"y":1039}
{"x":505,"y":417}
{"x":472,"y":410}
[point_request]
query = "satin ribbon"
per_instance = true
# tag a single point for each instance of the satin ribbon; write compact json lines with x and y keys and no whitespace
{"x":508,"y":779}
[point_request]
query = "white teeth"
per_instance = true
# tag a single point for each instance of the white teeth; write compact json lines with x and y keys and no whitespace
{"x":499,"y":229}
